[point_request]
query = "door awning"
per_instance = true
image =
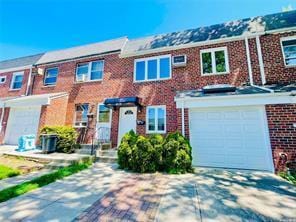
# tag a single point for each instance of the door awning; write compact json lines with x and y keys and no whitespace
{"x":122,"y":102}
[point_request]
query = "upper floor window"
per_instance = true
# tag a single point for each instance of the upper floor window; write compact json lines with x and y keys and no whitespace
{"x":153,"y":68}
{"x":50,"y":77}
{"x":90,"y":71}
{"x":156,"y":119}
{"x":17,"y":80}
{"x":214,"y":61}
{"x":2,"y":79}
{"x":289,"y":50}
{"x":81,"y":111}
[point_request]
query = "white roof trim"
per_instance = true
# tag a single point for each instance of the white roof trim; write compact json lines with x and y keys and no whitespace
{"x":196,"y":44}
{"x":14,"y":69}
{"x":236,"y":100}
{"x":33,"y":100}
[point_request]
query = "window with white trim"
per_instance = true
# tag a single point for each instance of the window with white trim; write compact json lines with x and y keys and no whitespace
{"x":90,"y":71}
{"x":104,"y":114}
{"x":153,"y":68}
{"x":156,"y":119}
{"x":50,"y":77}
{"x":214,"y":61}
{"x":2,"y":79}
{"x":81,"y":111}
{"x":289,"y":51}
{"x":17,"y":80}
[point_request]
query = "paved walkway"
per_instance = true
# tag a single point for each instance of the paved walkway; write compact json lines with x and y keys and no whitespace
{"x":102,"y":193}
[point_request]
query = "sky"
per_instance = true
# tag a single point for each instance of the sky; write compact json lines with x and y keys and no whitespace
{"x":29,"y":27}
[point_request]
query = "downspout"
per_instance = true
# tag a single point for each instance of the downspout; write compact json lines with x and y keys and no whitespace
{"x":2,"y":116}
{"x":183,"y":119}
{"x":29,"y":82}
{"x":260,"y":58}
{"x":261,"y":65}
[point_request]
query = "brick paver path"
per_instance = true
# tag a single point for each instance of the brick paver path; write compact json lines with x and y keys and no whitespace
{"x":136,"y":198}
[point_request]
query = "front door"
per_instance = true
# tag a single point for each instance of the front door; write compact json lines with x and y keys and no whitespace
{"x":127,"y":121}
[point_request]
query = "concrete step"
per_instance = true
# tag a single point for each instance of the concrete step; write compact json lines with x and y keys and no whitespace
{"x":105,"y":146}
{"x":56,"y":165}
{"x":107,"y":153}
{"x":105,"y":159}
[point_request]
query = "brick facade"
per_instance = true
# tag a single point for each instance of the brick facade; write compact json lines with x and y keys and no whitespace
{"x":282,"y":132}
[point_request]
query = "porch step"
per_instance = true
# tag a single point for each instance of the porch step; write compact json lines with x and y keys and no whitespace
{"x":56,"y":165}
{"x":107,"y":156}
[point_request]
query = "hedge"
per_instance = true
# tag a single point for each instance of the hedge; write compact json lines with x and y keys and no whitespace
{"x":171,"y":154}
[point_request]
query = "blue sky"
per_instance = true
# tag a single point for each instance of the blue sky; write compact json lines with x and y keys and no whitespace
{"x":33,"y":26}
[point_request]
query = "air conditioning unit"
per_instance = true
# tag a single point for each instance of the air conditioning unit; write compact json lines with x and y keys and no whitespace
{"x":81,"y":78}
{"x":179,"y":60}
{"x":40,"y":71}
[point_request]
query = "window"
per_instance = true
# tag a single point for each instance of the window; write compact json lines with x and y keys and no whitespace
{"x":156,"y":119}
{"x":81,"y":111}
{"x":104,"y":114}
{"x":50,"y":77}
{"x":2,"y":79}
{"x":289,"y":50}
{"x":90,"y":71}
{"x":154,"y":68}
{"x":17,"y":80}
{"x":214,"y":61}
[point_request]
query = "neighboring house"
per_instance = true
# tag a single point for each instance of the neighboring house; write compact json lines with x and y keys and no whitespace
{"x":170,"y":82}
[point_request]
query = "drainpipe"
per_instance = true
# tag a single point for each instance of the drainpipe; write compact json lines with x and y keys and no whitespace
{"x":260,"y":63}
{"x":29,"y":82}
{"x":2,"y":116}
{"x":260,"y":58}
{"x":183,"y":119}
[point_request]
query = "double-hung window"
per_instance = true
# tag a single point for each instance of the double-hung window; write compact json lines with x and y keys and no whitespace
{"x":90,"y":71}
{"x":17,"y":80}
{"x":156,"y":119}
{"x":214,"y":61}
{"x":81,"y":111}
{"x":50,"y":77}
{"x":289,"y":50}
{"x":153,"y":68}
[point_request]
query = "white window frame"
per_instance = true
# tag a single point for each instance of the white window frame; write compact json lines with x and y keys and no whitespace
{"x":45,"y":73}
{"x":3,"y":77}
{"x":282,"y":47}
{"x":212,"y":51}
{"x":89,"y":71}
{"x":13,"y":80}
{"x":158,"y":68}
{"x":75,"y":115}
{"x":156,"y":120}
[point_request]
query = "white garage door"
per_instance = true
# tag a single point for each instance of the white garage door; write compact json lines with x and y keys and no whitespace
{"x":22,"y":121}
{"x":230,"y":137}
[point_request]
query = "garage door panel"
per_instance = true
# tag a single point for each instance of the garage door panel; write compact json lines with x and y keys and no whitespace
{"x":22,"y":121}
{"x":230,"y":137}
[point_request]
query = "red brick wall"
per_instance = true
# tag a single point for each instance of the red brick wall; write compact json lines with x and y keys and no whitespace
{"x":282,"y":132}
{"x":275,"y":70}
{"x":4,"y":123}
{"x":5,"y":90}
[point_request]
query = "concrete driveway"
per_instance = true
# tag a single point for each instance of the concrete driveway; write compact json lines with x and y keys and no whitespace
{"x":104,"y":193}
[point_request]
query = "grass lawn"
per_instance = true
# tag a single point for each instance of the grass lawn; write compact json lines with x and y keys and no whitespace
{"x":41,"y":181}
{"x":6,"y":171}
{"x":291,"y":177}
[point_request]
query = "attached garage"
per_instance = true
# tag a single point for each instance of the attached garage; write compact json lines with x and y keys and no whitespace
{"x":22,"y":121}
{"x":230,"y":137}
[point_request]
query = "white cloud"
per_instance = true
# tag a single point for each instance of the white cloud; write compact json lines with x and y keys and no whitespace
{"x":287,"y":8}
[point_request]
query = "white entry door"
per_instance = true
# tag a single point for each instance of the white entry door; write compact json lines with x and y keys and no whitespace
{"x":230,"y":137}
{"x":127,"y":121}
{"x":22,"y":121}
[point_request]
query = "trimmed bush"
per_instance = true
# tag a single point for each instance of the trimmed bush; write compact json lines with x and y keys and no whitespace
{"x":141,"y":154}
{"x":67,"y":137}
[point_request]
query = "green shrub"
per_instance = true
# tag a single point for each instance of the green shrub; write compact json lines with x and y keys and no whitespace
{"x":176,"y":154}
{"x":140,"y":154}
{"x":67,"y":137}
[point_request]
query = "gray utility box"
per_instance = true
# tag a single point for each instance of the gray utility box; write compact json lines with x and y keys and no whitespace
{"x":48,"y":142}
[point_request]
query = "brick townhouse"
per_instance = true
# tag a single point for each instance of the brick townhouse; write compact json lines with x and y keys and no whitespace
{"x":230,"y":88}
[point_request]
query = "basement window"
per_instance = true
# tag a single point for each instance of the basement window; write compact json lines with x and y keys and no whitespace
{"x":81,"y":111}
{"x":289,"y":50}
